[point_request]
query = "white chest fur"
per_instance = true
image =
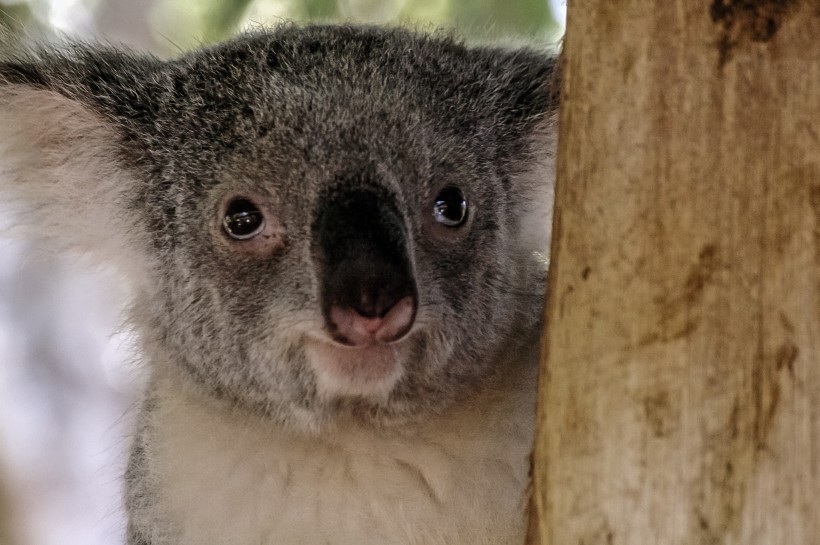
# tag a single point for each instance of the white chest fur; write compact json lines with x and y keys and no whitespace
{"x":457,"y":479}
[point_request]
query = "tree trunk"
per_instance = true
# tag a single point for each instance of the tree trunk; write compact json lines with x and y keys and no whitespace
{"x":680,"y":392}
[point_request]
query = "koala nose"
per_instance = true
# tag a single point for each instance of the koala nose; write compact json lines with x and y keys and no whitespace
{"x":368,"y":291}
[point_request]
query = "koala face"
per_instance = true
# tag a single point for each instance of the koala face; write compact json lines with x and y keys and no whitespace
{"x":334,"y":222}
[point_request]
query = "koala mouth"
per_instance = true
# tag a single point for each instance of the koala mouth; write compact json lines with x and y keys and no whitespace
{"x":344,"y":371}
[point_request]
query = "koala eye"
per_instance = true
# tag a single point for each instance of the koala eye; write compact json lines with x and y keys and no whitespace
{"x":243,"y":219}
{"x":451,"y":207}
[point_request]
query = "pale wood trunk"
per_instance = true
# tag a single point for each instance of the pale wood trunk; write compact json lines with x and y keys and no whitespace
{"x":680,"y":392}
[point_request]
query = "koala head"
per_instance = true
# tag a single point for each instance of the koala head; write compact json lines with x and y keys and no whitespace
{"x":319,"y":223}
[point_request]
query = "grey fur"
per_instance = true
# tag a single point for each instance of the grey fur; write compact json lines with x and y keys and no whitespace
{"x":284,"y":115}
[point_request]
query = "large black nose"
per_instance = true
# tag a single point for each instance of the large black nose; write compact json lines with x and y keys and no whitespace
{"x":367,"y":287}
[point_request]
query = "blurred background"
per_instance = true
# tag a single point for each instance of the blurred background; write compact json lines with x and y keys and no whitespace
{"x":69,"y":379}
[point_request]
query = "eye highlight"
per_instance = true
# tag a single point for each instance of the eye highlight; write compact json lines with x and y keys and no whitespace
{"x":450,"y":207}
{"x":243,"y":220}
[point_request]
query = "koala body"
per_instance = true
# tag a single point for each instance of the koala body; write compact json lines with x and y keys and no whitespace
{"x":336,"y":239}
{"x":458,"y":478}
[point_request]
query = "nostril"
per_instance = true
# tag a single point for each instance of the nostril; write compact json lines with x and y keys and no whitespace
{"x":371,"y":325}
{"x":351,"y":327}
{"x":370,"y":305}
{"x":398,"y":320}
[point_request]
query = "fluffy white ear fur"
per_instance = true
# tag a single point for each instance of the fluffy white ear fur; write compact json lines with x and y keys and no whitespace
{"x":60,"y":180}
{"x":538,"y":181}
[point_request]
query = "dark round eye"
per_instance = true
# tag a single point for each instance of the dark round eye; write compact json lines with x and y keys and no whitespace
{"x":243,"y":219}
{"x":451,"y":207}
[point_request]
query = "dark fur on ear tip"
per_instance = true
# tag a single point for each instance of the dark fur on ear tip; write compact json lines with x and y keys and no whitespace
{"x":112,"y":81}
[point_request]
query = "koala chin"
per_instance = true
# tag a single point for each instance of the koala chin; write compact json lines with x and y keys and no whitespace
{"x":334,"y":237}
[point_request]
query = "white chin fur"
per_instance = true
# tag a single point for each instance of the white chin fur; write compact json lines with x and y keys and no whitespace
{"x":341,"y":371}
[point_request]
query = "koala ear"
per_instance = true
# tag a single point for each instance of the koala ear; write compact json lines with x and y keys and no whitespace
{"x":531,"y":86}
{"x":521,"y":85}
{"x":527,"y":87}
{"x":66,"y":156}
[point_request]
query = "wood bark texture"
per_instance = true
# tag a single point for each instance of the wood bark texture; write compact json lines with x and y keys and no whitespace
{"x":680,"y":386}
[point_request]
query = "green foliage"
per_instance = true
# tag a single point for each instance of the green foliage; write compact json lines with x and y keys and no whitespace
{"x":183,"y":24}
{"x":14,"y":19}
{"x":224,"y":16}
{"x":318,"y":10}
{"x":494,"y":18}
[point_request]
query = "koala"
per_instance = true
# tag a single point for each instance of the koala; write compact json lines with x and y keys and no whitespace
{"x":336,"y":240}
